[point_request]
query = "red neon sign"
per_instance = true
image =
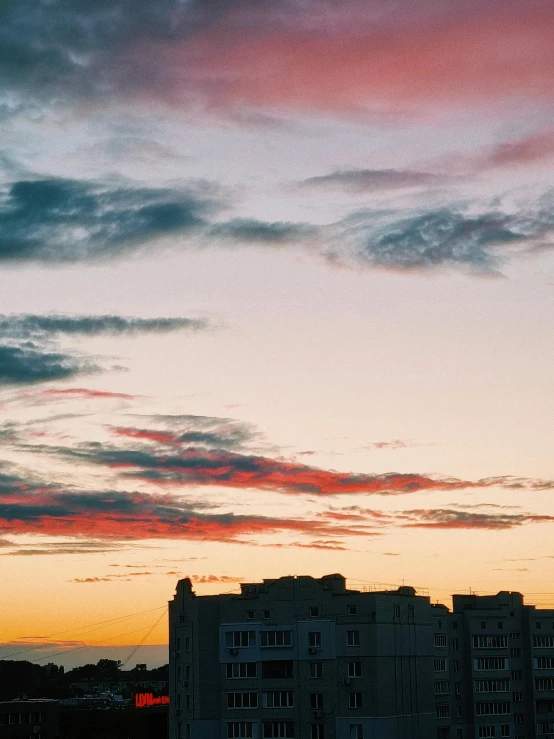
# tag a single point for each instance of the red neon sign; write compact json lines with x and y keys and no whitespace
{"x":145,"y":700}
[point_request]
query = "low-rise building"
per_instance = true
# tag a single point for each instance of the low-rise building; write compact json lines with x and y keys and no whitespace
{"x":37,"y":718}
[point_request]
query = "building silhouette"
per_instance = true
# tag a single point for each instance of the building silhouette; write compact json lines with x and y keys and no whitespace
{"x":307,"y":658}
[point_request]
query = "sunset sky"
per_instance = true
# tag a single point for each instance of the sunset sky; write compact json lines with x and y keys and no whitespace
{"x":276,"y":297}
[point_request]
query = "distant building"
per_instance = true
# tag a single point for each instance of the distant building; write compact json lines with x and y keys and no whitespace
{"x":37,"y":718}
{"x":494,"y":668}
{"x":301,"y":657}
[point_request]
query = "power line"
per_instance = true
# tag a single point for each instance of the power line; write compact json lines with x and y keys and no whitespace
{"x":145,"y":637}
{"x":98,"y":625}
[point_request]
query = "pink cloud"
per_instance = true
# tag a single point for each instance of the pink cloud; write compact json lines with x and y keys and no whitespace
{"x":461,"y":54}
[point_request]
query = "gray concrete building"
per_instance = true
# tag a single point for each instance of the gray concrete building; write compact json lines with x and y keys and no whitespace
{"x":493,"y":668}
{"x":302,"y":658}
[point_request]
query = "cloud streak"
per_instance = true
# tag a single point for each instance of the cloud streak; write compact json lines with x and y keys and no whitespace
{"x":31,"y":507}
{"x":27,"y":343}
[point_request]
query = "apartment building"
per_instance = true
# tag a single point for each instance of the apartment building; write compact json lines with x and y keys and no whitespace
{"x":493,"y":668}
{"x":302,"y":658}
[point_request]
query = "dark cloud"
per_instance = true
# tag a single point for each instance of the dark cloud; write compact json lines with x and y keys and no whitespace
{"x":479,"y":242}
{"x":27,"y":343}
{"x":247,"y":230}
{"x":49,"y":548}
{"x":192,"y":466}
{"x":370,"y":180}
{"x":29,"y":363}
{"x":205,"y":431}
{"x":62,"y":220}
{"x":453,"y":519}
{"x":39,"y":326}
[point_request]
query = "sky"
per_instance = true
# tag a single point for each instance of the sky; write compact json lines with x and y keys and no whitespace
{"x":276,"y":297}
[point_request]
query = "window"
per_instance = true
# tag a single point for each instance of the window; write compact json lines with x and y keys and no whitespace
{"x":240,"y":730}
{"x":544,"y":683}
{"x":456,"y":665}
{"x":352,"y":638}
{"x":543,"y":663}
{"x":543,"y":642}
{"x":278,"y":699}
{"x":455,"y":625}
{"x":440,"y":640}
{"x":487,"y":731}
{"x":459,"y":734}
{"x":276,"y":638}
{"x":355,"y":700}
{"x":266,"y":613}
{"x":277,"y":669}
{"x":538,"y":624}
{"x":545,"y":727}
{"x":515,"y":635}
{"x":443,"y":710}
{"x":455,"y":644}
{"x":458,"y":687}
{"x":187,"y":702}
{"x":517,"y":696}
{"x":314,"y":611}
{"x":351,"y":610}
{"x":458,"y":712}
{"x":316,"y":700}
{"x":314,"y":638}
{"x":397,"y":611}
{"x":178,"y":644}
{"x":519,"y":718}
{"x":318,"y":731}
{"x":238,"y":670}
{"x":483,"y":625}
{"x":236,"y":639}
{"x":355,"y":731}
{"x":242,"y":700}
{"x":505,"y":730}
{"x":187,"y":643}
{"x":315,"y":669}
{"x":492,"y":686}
{"x":491,"y":663}
{"x":517,"y":674}
{"x":411,"y":611}
{"x":188,"y":731}
{"x":440,"y":664}
{"x":442,"y":687}
{"x":492,"y":708}
{"x":515,"y":652}
{"x":280,"y":729}
{"x":250,"y":615}
{"x":490,"y":642}
{"x":354,"y":669}
{"x":187,"y":672}
{"x":500,"y":625}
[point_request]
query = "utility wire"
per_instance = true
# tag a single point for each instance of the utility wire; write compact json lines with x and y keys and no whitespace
{"x":145,"y":637}
{"x":98,"y":626}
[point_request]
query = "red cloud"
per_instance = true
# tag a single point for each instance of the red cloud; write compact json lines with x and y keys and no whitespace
{"x":81,"y":392}
{"x":355,"y":61}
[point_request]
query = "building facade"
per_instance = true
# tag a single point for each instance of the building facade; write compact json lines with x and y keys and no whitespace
{"x":493,"y":668}
{"x":37,"y":718}
{"x":302,"y":658}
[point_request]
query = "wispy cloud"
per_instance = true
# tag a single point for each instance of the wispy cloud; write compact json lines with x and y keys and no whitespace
{"x":370,"y":180}
{"x":30,"y":349}
{"x":452,"y":519}
{"x":394,"y":444}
